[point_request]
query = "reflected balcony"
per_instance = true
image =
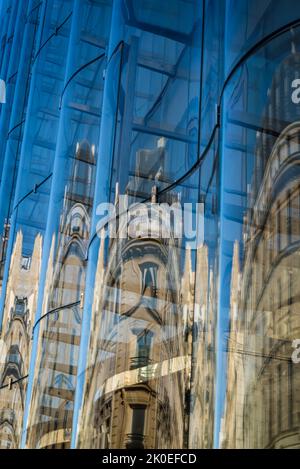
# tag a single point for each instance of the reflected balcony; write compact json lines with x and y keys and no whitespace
{"x":140,"y":362}
{"x":135,"y":441}
{"x":7,"y":415}
{"x":145,"y":366}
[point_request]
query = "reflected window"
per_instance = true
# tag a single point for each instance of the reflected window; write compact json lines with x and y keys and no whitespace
{"x":138,"y":419}
{"x":14,"y":356}
{"x":25,"y":262}
{"x":20,"y":306}
{"x":143,"y":348}
{"x":149,"y":278}
{"x":136,"y":438}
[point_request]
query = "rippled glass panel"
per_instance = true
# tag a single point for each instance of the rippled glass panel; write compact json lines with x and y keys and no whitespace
{"x":12,"y":119}
{"x":34,"y":147}
{"x":250,"y":21}
{"x":35,"y":153}
{"x":93,"y":21}
{"x":258,"y":395}
{"x":5,"y":9}
{"x":156,"y":133}
{"x":149,"y":222}
{"x":12,"y":398}
{"x":9,"y":75}
{"x":68,"y":232}
{"x":53,"y":393}
{"x":8,"y":30}
{"x":205,"y":308}
{"x":137,"y":379}
{"x":71,"y":203}
{"x":213,"y":68}
{"x":20,"y":302}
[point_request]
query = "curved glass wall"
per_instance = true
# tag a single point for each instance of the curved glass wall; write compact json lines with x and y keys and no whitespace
{"x":139,"y":347}
{"x":10,"y":74}
{"x":5,"y":10}
{"x":13,"y":117}
{"x":139,"y":356}
{"x":212,"y":60}
{"x":19,"y":309}
{"x":250,"y":21}
{"x":150,"y":206}
{"x":155,"y":50}
{"x":205,"y":308}
{"x":32,"y":150}
{"x":259,"y":250}
{"x":57,"y":336}
{"x":50,"y":420}
{"x":8,"y":36}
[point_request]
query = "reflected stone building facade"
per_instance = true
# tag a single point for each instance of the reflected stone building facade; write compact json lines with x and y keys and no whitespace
{"x":263,"y":382}
{"x":169,"y":333}
{"x":60,"y":341}
{"x":20,"y":305}
{"x":138,"y":361}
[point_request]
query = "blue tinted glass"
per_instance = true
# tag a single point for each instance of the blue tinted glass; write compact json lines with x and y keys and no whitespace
{"x":149,"y":224}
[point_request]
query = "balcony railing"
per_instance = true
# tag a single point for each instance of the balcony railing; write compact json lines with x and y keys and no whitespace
{"x":139,"y":362}
{"x":135,"y":441}
{"x":7,"y":415}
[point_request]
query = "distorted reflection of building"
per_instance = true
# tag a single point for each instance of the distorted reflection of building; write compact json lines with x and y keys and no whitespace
{"x":52,"y":409}
{"x":145,"y":340}
{"x":74,"y":229}
{"x":18,"y":319}
{"x":263,"y":384}
{"x":201,"y":430}
{"x":138,"y":375}
{"x":3,"y":248}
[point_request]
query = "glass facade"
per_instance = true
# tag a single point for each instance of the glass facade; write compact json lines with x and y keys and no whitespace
{"x":150,"y":224}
